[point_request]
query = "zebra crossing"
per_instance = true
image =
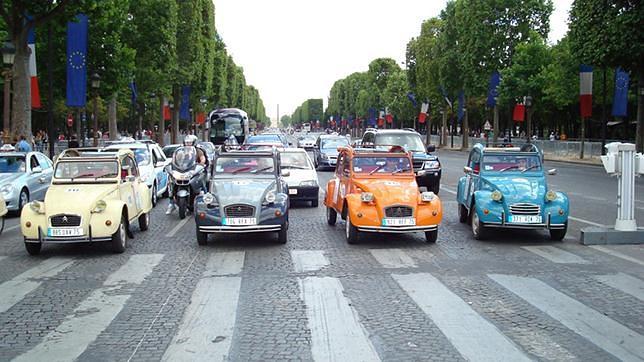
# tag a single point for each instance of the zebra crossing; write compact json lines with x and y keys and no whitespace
{"x":337,"y":330}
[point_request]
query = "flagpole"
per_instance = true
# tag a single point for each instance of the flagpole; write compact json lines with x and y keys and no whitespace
{"x":604,"y":120}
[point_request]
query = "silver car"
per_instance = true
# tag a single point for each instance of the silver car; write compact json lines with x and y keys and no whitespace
{"x":24,"y":176}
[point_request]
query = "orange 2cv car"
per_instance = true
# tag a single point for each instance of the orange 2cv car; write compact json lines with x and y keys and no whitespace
{"x":376,"y":191}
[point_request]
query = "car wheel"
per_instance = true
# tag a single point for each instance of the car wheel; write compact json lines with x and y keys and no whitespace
{"x":315,"y":203}
{"x":431,"y":236}
{"x":351,"y":231}
{"x":144,"y":221}
{"x":2,"y":227}
{"x":462,"y":213}
{"x":331,"y":216}
{"x":33,"y":248}
{"x":23,"y":199}
{"x":202,"y":238}
{"x":154,"y":195}
{"x":478,"y":229}
{"x":182,"y":207}
{"x":166,"y":193}
{"x":436,"y":188}
{"x":119,"y":238}
{"x":282,"y":235}
{"x":558,"y":234}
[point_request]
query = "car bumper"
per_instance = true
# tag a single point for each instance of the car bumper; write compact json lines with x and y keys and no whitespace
{"x":327,"y":162}
{"x":397,"y":229}
{"x":428,"y":177}
{"x":549,"y":224}
{"x":307,"y":193}
{"x":211,"y":221}
{"x":44,"y":239}
{"x":12,"y":203}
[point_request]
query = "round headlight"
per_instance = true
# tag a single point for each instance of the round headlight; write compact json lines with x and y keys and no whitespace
{"x":101,"y":205}
{"x":37,"y":207}
{"x":208,"y":198}
{"x":427,"y":196}
{"x":366,"y":197}
{"x":270,"y":197}
{"x":551,"y":195}
{"x":496,"y":195}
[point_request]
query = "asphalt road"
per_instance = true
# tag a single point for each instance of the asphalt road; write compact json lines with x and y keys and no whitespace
{"x":517,"y":296}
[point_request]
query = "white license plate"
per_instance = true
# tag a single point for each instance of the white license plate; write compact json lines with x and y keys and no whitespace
{"x":292,"y":191}
{"x":525,"y":219}
{"x":402,"y":221}
{"x":65,"y":232}
{"x":236,"y":221}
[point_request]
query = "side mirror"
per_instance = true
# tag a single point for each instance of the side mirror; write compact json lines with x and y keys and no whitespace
{"x":431,"y":148}
{"x":467,"y":169}
{"x":552,"y":171}
{"x":286,"y":173}
{"x":36,"y":169}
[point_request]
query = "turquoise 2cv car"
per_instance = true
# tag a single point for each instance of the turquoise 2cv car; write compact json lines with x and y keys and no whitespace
{"x":507,"y":188}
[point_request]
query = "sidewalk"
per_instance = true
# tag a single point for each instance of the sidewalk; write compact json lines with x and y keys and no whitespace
{"x":547,"y":157}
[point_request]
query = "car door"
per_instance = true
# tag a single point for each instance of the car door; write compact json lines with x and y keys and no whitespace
{"x":472,"y":178}
{"x":47,"y":172}
{"x":127,"y":186}
{"x":34,"y":180}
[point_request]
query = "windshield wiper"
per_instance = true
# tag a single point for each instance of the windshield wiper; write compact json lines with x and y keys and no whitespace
{"x":376,"y":169}
{"x":509,"y":167}
{"x":401,"y":170}
{"x":530,"y":168}
{"x":240,"y":170}
{"x":262,"y":169}
{"x":297,"y":167}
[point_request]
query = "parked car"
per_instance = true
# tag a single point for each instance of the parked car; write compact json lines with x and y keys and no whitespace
{"x":94,"y":197}
{"x":246,"y":194}
{"x":266,"y":139}
{"x":302,"y":180}
{"x":306,"y":141}
{"x":507,"y":188}
{"x":151,"y":161}
{"x":24,"y":176}
{"x":426,"y":165}
{"x":376,"y":191}
{"x":326,"y":150}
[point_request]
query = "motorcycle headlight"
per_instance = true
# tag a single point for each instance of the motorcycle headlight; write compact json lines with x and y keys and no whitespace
{"x":431,"y":164}
{"x":6,"y":189}
{"x":208,"y":198}
{"x":366,"y":197}
{"x":309,"y":183}
{"x":496,"y":195}
{"x":270,"y":197}
{"x":37,"y":207}
{"x":100,"y":206}
{"x":551,"y":195}
{"x":427,"y":196}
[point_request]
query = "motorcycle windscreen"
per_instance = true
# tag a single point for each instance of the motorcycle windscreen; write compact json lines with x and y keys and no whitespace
{"x":184,"y":158}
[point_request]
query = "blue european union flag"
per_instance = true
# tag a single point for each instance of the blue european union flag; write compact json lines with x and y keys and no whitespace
{"x":620,"y":97}
{"x":492,"y":90}
{"x":184,"y":112}
{"x":77,"y":62}
{"x":371,"y":121}
{"x":134,"y":92}
{"x":461,"y":101}
{"x":412,"y":99}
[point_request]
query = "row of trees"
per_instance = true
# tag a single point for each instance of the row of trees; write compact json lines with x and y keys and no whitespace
{"x":162,"y":45}
{"x":459,"y":50}
{"x":310,"y":110}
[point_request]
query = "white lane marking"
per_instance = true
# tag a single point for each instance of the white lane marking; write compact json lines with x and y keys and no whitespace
{"x":176,"y":228}
{"x":308,"y":260}
{"x":625,"y":283}
{"x":616,"y":254}
{"x":206,"y":329}
{"x":393,"y":258}
{"x":79,"y":329}
{"x":614,"y":338}
{"x":336,"y":333}
{"x":586,"y":221}
{"x":14,"y":290}
{"x":448,"y":190}
{"x":473,"y":336}
{"x":2,"y":257}
{"x":13,"y":227}
{"x":555,"y":254}
{"x":225,"y":263}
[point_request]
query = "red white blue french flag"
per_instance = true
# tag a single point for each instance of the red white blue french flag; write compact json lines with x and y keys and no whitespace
{"x":33,"y":74}
{"x":586,"y":90}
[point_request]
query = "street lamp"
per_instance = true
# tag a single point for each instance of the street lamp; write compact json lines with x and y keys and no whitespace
{"x":528,"y":104}
{"x":96,"y":83}
{"x":8,"y":56}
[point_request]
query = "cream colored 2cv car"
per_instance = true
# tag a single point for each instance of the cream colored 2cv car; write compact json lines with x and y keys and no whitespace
{"x":94,"y":197}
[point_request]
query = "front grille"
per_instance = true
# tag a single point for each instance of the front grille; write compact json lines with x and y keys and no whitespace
{"x":399,"y":211}
{"x":239,"y":211}
{"x":418,"y":164}
{"x":65,"y":220}
{"x":525,"y":209}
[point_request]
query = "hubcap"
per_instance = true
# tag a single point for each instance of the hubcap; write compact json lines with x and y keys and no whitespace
{"x":347,"y":223}
{"x":123,"y":235}
{"x":154,"y":194}
{"x":475,"y":223}
{"x":24,"y":199}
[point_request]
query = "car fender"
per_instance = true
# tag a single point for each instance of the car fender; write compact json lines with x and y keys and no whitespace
{"x":36,"y":220}
{"x":145,"y":197}
{"x":112,"y":213}
{"x":560,"y":203}
{"x":329,"y":199}
{"x":482,"y":200}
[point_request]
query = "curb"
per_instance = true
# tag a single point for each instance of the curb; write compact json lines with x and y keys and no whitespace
{"x":546,"y":157}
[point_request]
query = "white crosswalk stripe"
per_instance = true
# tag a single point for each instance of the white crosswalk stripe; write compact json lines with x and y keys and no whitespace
{"x":14,"y":290}
{"x":607,"y":334}
{"x":625,"y":283}
{"x":206,"y":329}
{"x":473,"y":336}
{"x":393,"y":258}
{"x":336,"y":333}
{"x":2,"y":257}
{"x":308,"y":260}
{"x":555,"y":255}
{"x":93,"y":315}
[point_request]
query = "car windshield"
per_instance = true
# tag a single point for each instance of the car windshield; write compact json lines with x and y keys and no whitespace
{"x":228,"y":126}
{"x":12,"y":164}
{"x":408,"y":141}
{"x":334,"y":143}
{"x":264,"y":138}
{"x":297,"y":160}
{"x":208,"y":147}
{"x":86,"y":169}
{"x":245,"y":165}
{"x":380,"y":165}
{"x":141,"y":154}
{"x":511,"y":163}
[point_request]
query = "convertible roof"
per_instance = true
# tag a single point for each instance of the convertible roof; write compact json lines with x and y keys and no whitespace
{"x":371,"y":151}
{"x":526,"y":148}
{"x":92,"y":153}
{"x":247,"y":153}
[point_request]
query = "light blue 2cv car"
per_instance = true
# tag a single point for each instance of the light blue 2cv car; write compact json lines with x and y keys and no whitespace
{"x":507,"y":188}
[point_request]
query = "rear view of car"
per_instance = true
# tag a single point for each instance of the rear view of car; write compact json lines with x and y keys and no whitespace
{"x":300,"y":175}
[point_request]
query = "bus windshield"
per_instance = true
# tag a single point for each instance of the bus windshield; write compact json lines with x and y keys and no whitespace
{"x":228,"y":126}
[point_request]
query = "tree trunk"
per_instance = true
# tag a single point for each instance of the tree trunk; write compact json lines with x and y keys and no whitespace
{"x":111,"y":117}
{"x":639,"y":134}
{"x":583,"y":138}
{"x":465,"y":143}
{"x":21,"y":105}
{"x":443,"y":142}
{"x":161,"y":131}
{"x":495,"y":126}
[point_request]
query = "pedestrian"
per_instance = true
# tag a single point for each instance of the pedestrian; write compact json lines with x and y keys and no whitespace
{"x":23,"y":145}
{"x":552,"y":136}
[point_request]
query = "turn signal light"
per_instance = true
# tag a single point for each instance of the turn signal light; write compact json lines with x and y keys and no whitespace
{"x":486,"y":211}
{"x":202,"y":215}
{"x":278,"y":213}
{"x":108,"y":222}
{"x":28,"y":224}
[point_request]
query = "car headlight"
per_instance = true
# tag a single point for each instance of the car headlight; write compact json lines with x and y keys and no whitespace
{"x":431,"y":164}
{"x":208,"y":198}
{"x":366,"y":197}
{"x":100,"y":206}
{"x":37,"y":207}
{"x":496,"y":195}
{"x":427,"y":196}
{"x":551,"y":195}
{"x":270,"y":197}
{"x":324,"y":156}
{"x":6,"y":189}
{"x":309,"y":183}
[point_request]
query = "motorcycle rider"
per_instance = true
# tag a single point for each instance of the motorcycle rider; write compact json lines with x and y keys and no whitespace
{"x":189,"y":141}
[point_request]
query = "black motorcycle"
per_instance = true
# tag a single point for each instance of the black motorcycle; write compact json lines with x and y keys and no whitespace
{"x":187,"y":178}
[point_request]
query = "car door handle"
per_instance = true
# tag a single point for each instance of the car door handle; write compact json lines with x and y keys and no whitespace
{"x":42,"y":179}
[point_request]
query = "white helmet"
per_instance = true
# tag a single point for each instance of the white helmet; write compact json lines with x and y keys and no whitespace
{"x":190,"y":140}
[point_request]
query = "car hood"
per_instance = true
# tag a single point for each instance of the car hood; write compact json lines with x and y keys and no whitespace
{"x":422,"y":156}
{"x":239,"y":190}
{"x":6,"y":178}
{"x":393,"y":191}
{"x":76,"y":198}
{"x":298,"y":176}
{"x":518,"y":188}
{"x":329,"y":151}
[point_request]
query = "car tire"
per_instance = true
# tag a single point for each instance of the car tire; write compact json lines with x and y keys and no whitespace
{"x":23,"y":199}
{"x":331,"y":216}
{"x":144,"y":221}
{"x":202,"y":238}
{"x":315,"y":203}
{"x":351,"y":231}
{"x":166,"y":193}
{"x":436,"y":188}
{"x":154,"y":195}
{"x":431,"y":236}
{"x":462,"y":213}
{"x":558,"y":234}
{"x":422,"y":189}
{"x":282,"y":235}
{"x":478,"y":228}
{"x":182,"y":207}
{"x":119,"y":238}
{"x":33,"y":248}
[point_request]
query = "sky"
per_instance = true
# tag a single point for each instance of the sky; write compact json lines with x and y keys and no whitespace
{"x":293,"y":50}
